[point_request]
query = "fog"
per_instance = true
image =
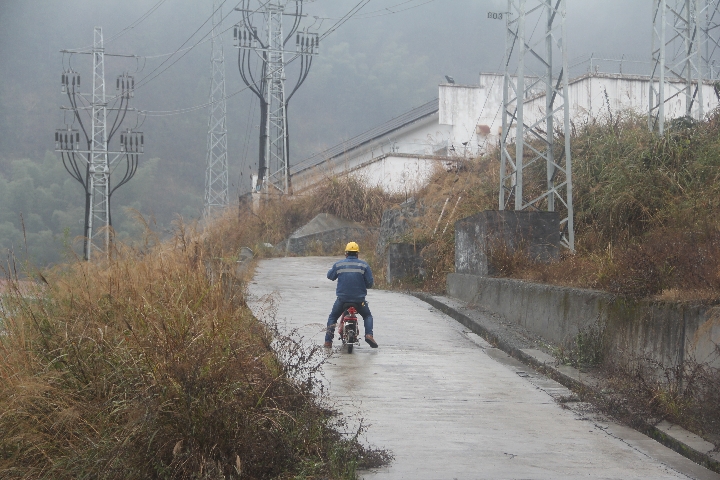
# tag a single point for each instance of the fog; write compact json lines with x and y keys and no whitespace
{"x":374,"y":67}
{"x":371,"y":69}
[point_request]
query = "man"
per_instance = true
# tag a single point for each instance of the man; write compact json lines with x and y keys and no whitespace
{"x":353,"y":277}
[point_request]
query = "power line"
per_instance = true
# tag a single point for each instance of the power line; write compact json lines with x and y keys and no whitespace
{"x":384,"y":11}
{"x":164,"y":113}
{"x":134,"y":24}
{"x":167,"y":113}
{"x":345,"y":18}
{"x":145,"y":80}
{"x":387,"y":11}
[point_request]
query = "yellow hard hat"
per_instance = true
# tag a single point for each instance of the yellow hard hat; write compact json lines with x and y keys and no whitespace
{"x":352,"y":247}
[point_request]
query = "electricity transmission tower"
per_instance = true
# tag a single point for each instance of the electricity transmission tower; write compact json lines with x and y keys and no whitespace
{"x":681,"y":56}
{"x":540,"y":137}
{"x":216,"y":171}
{"x":89,"y":162}
{"x":267,"y":81}
{"x":712,"y":39}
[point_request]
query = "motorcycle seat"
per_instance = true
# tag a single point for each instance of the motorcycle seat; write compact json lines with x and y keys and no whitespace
{"x":348,"y":305}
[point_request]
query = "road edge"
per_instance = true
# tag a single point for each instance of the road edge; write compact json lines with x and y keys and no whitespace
{"x":576,"y":384}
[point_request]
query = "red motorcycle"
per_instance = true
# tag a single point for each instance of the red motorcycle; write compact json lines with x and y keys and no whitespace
{"x":349,"y":332}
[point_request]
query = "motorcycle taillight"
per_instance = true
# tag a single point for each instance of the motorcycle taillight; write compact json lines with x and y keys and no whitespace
{"x":352,"y":311}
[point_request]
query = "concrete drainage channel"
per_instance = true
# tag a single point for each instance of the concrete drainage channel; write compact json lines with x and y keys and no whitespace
{"x":564,"y":379}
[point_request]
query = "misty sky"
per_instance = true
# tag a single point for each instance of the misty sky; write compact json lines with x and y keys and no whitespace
{"x":373,"y":68}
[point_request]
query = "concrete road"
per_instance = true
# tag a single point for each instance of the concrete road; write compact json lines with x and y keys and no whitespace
{"x":447,"y":404}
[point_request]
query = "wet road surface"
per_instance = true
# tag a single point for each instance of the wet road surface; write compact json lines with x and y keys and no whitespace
{"x":447,"y":404}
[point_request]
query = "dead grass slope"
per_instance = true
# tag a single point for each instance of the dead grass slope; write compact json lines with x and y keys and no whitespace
{"x":647,"y":212}
{"x":143,"y":368}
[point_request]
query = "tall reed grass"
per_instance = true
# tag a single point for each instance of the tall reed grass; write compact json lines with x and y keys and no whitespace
{"x":142,"y":367}
{"x":647,"y":211}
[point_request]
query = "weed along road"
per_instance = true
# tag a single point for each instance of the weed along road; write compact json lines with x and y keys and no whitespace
{"x":447,"y":404}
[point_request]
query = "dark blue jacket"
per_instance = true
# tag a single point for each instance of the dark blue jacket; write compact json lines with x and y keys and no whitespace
{"x":354,"y":278}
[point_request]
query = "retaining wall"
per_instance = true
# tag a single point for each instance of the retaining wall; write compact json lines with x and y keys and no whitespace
{"x":403,"y":260}
{"x":666,"y":332}
{"x":536,"y":233}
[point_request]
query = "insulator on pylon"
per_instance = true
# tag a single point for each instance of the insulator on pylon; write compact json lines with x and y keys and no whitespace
{"x":78,"y":77}
{"x":117,"y":84}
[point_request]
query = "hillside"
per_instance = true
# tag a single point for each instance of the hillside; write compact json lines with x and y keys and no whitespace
{"x":152,"y":366}
{"x":647,"y":212}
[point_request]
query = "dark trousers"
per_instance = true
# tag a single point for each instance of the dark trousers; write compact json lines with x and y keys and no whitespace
{"x":337,"y":310}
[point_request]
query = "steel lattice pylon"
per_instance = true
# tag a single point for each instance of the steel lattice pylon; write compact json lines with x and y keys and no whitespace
{"x":216,"y":172}
{"x":268,"y":81}
{"x":93,"y":166}
{"x":276,"y":144}
{"x":542,"y":136}
{"x":712,"y":41}
{"x":679,"y":40}
{"x":99,"y":215}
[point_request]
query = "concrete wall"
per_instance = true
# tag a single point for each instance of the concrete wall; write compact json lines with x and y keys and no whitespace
{"x":393,"y":161}
{"x":475,"y":111}
{"x":669,"y":333}
{"x":537,"y":233}
{"x":397,"y":173}
{"x":325,"y":241}
{"x":466,"y":107}
{"x":589,"y":96}
{"x":403,"y":261}
{"x":396,"y":222}
{"x":327,"y":233}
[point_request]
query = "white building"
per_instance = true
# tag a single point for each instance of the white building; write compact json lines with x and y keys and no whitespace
{"x":399,"y":155}
{"x":466,"y":120}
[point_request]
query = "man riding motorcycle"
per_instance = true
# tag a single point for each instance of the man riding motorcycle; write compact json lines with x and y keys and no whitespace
{"x":353,"y":277}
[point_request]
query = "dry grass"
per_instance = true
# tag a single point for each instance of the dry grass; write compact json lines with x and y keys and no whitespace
{"x":687,"y":395}
{"x":646,"y":212}
{"x":448,"y":197}
{"x":144,"y":368}
{"x":280,"y":216}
